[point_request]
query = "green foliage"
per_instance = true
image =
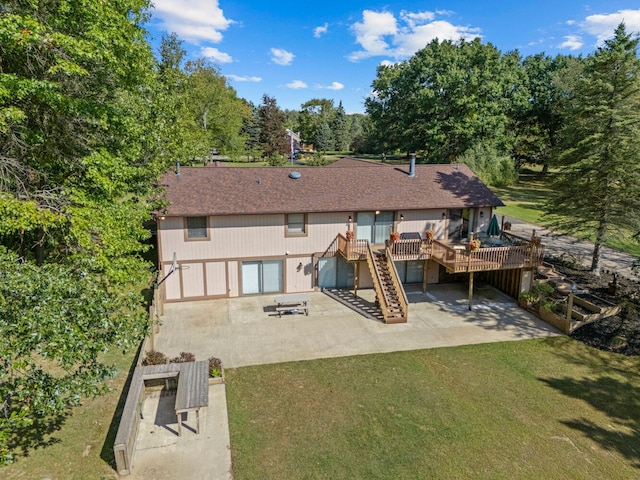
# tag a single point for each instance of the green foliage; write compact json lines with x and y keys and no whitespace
{"x":55,"y":321}
{"x":490,"y":166}
{"x":215,"y":367}
{"x":597,"y":188}
{"x":317,"y":160}
{"x":446,"y":98}
{"x":273,"y":136}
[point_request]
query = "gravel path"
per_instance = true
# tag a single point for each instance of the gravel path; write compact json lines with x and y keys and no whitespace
{"x":576,"y":249}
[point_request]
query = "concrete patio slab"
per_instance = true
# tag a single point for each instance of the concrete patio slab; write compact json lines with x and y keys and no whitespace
{"x":247,"y":331}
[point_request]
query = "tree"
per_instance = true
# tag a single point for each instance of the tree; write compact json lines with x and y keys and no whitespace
{"x":538,"y":120}
{"x":446,"y":98}
{"x":323,"y":140}
{"x":273,"y":136}
{"x":597,"y":188}
{"x":79,"y":157}
{"x":216,"y":109}
{"x":340,"y":129}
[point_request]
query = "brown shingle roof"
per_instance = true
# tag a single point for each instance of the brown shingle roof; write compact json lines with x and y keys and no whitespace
{"x":236,"y":191}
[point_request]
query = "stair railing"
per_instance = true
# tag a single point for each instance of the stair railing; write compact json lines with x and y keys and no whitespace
{"x":377,"y":283}
{"x":395,"y":278}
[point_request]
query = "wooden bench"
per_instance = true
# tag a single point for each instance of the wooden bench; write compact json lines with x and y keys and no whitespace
{"x":193,"y":391}
{"x":192,"y":394}
{"x":292,"y":304}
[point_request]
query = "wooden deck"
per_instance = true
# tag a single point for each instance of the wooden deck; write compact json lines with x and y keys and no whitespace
{"x":456,"y":258}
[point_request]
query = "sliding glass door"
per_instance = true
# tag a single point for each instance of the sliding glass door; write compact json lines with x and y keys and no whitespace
{"x":374,"y":227}
{"x":262,"y":276}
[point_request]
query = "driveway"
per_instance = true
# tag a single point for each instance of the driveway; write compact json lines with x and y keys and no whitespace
{"x":246,"y":331}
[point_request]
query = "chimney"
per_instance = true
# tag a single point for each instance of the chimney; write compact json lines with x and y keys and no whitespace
{"x":177,"y":167}
{"x":412,"y":165}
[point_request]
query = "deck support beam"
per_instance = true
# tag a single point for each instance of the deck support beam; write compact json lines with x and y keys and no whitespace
{"x":470,"y":290}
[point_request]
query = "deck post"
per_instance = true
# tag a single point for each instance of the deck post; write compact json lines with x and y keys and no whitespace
{"x":470,"y":290}
{"x":569,"y":307}
{"x":356,"y":278}
{"x":425,"y":276}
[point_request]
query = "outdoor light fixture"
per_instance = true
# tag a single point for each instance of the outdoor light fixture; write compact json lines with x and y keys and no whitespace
{"x":401,"y":216}
{"x":481,"y":214}
{"x":377,"y":212}
{"x":300,"y":266}
{"x":350,"y":219}
{"x":444,"y":215}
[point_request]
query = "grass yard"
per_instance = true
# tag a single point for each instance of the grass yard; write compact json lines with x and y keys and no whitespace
{"x":524,"y":202}
{"x":551,"y":408}
{"x":82,"y":446}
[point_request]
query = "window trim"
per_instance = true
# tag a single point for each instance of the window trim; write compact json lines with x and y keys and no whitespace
{"x":188,"y":238}
{"x":304,"y":233}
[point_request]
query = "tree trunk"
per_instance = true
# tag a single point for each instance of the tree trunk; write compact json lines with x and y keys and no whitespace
{"x":597,"y":247}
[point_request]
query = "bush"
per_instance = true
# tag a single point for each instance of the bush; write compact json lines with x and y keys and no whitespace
{"x":215,"y":367}
{"x":489,"y":165}
{"x":184,"y":357}
{"x":153,"y":357}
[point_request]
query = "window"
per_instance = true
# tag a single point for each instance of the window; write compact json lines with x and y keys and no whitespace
{"x":296,"y":224}
{"x":197,"y":228}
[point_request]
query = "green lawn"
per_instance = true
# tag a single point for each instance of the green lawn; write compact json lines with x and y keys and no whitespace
{"x":81,"y":447}
{"x":550,"y":408}
{"x":524,"y":202}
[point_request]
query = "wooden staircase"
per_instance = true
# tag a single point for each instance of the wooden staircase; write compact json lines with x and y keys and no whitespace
{"x":389,"y":292}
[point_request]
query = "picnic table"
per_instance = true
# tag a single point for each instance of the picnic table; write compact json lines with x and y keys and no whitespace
{"x":292,"y":304}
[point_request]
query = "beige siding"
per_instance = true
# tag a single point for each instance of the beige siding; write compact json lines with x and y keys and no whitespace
{"x":210,"y":268}
{"x":299,"y":274}
{"x":193,"y":280}
{"x":171,"y":283}
{"x":216,"y":279}
{"x":233,"y":279}
{"x":422,"y":220}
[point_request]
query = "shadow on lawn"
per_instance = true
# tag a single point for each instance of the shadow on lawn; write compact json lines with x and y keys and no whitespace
{"x":40,"y":434}
{"x":618,"y":399}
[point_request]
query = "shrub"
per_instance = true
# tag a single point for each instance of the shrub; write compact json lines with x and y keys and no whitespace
{"x":184,"y":357}
{"x":215,"y":367}
{"x":153,"y":357}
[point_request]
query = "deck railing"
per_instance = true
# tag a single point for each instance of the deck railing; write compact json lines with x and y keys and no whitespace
{"x":352,"y":249}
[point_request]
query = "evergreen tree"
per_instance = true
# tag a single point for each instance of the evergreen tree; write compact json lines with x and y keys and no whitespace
{"x":273,"y":136}
{"x":597,"y":190}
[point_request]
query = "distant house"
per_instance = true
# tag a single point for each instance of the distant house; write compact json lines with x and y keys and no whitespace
{"x":228,"y":232}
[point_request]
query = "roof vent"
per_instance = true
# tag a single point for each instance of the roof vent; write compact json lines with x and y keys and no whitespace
{"x":295,"y":175}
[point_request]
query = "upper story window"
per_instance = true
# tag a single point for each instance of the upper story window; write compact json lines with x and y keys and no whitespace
{"x":197,"y":228}
{"x":296,"y":224}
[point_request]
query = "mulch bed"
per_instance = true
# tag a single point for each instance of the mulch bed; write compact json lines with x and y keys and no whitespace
{"x":619,"y":333}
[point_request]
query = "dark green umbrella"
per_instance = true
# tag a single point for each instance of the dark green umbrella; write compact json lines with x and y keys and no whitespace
{"x":494,"y":228}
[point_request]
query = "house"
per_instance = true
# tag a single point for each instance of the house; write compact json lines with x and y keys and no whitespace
{"x":228,"y":232}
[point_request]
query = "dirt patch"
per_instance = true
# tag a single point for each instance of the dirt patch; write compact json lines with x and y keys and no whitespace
{"x":619,"y":333}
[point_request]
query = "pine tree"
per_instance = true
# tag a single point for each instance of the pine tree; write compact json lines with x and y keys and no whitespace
{"x":597,"y":190}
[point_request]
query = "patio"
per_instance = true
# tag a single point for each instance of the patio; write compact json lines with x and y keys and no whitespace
{"x":247,"y":330}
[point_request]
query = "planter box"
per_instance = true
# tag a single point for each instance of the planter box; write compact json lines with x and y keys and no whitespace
{"x":597,"y":312}
{"x":217,"y":380}
{"x":555,"y":320}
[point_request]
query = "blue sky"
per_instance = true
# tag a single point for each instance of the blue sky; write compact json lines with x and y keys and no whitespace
{"x":296,"y":51}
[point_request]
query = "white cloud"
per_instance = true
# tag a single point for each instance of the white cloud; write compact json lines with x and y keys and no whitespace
{"x":281,"y":57}
{"x":413,"y":19}
{"x":380,"y":35}
{"x":602,"y":26}
{"x":319,"y":31}
{"x":335,"y":86}
{"x":241,"y":78}
{"x":297,"y":84}
{"x":371,"y":31}
{"x":192,"y":20}
{"x":216,"y":55}
{"x":572,"y":42}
